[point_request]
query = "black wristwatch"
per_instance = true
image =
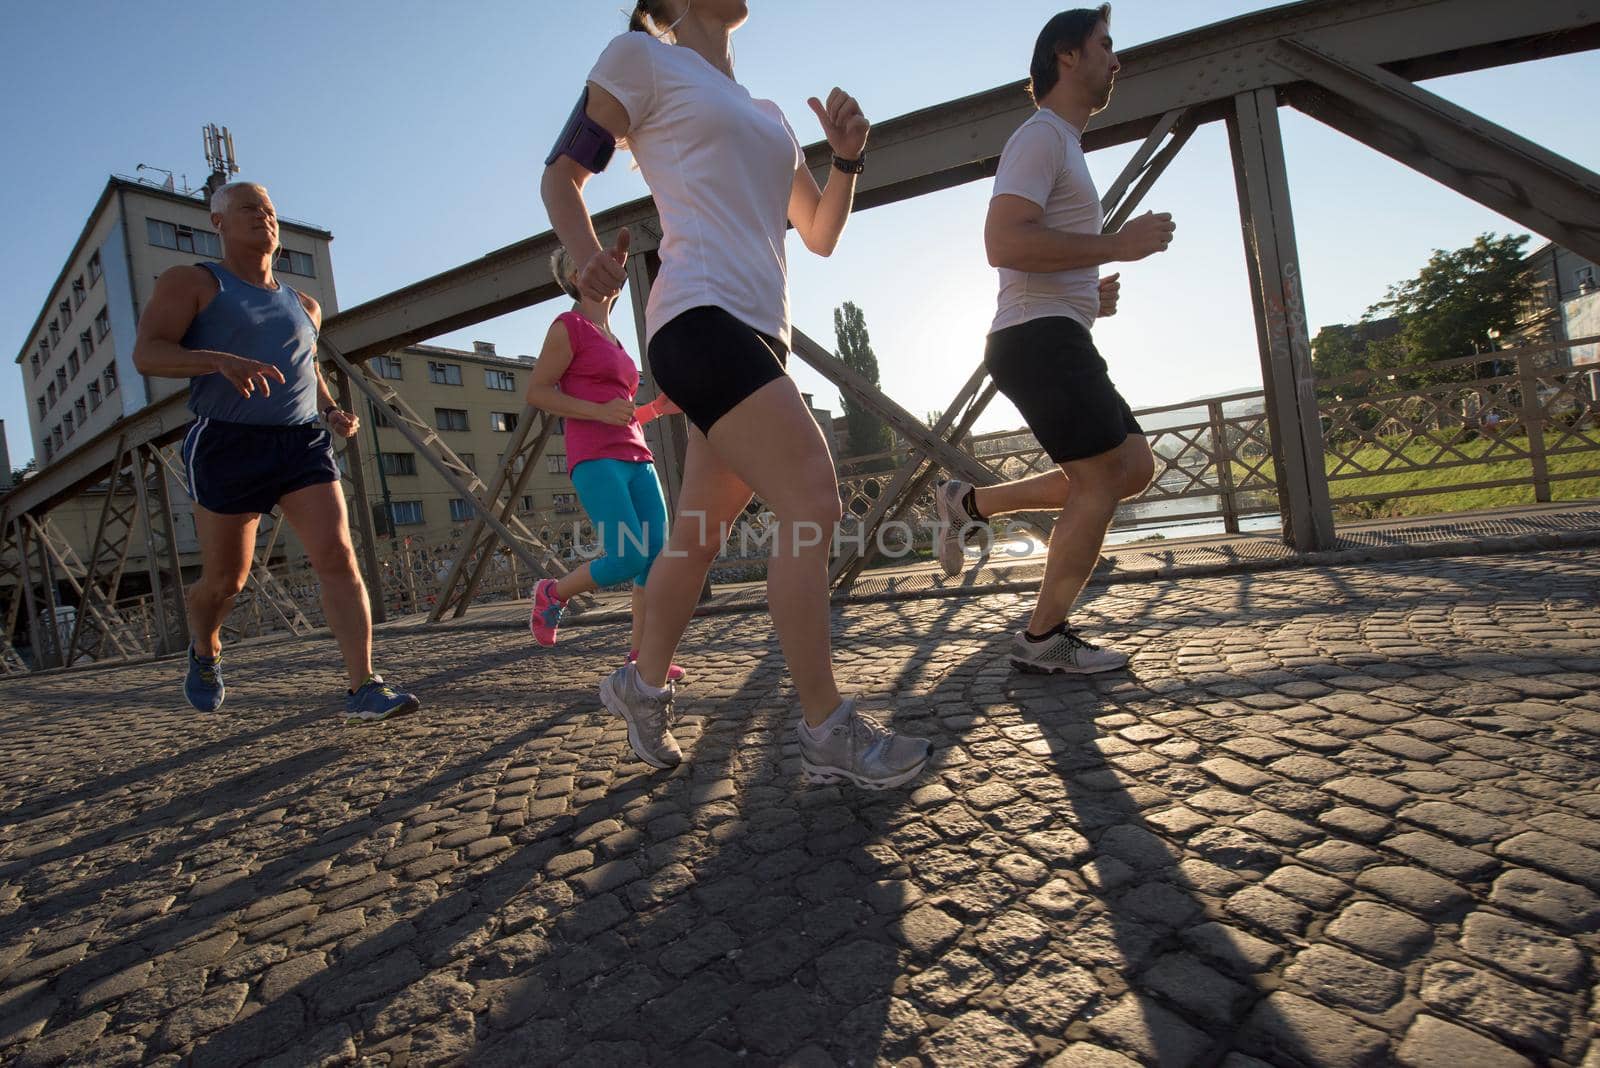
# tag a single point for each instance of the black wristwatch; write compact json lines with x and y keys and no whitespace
{"x":850,"y":166}
{"x":329,"y":408}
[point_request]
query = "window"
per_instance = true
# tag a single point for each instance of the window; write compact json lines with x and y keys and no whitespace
{"x":94,"y":268}
{"x":444,"y":374}
{"x":50,"y":394}
{"x":46,"y":448}
{"x":291,"y":262}
{"x":387,"y":367}
{"x":495,"y":379}
{"x":86,"y":343}
{"x":72,"y":363}
{"x":470,"y":459}
{"x":406,"y":513}
{"x":42,"y":409}
{"x":1584,"y":277}
{"x":460,"y":510}
{"x":33,"y":359}
{"x":527,"y":503}
{"x":94,"y":395}
{"x":561,"y":424}
{"x":56,"y":435}
{"x":450,"y":418}
{"x":55,"y":333}
{"x":502,"y":421}
{"x":566,"y":503}
{"x":66,"y":313}
{"x":183,"y":238}
{"x":66,"y":421}
{"x":399,"y":463}
{"x":102,"y":324}
{"x":380,"y":415}
{"x":78,"y":292}
{"x":61,"y":380}
{"x":557,"y":462}
{"x":110,"y":379}
{"x":81,"y":406}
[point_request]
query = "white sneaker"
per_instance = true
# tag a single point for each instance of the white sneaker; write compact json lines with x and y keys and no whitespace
{"x":863,"y":751}
{"x":1064,"y":653}
{"x":954,"y":522}
{"x":649,"y":719}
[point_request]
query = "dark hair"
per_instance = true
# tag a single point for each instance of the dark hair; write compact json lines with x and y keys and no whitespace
{"x":1065,"y":32}
{"x":643,"y":9}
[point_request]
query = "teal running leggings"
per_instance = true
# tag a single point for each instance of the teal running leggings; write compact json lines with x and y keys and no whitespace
{"x":624,"y":502}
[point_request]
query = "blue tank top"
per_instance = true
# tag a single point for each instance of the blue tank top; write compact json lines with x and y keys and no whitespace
{"x":269,"y":325}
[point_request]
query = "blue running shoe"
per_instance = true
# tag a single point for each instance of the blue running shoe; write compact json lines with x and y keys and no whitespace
{"x":377,"y":700}
{"x":203,"y":685}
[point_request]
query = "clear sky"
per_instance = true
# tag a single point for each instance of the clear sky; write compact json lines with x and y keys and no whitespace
{"x":414,"y":130}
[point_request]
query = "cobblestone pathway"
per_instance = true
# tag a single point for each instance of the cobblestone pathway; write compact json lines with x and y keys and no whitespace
{"x":1331,"y":817}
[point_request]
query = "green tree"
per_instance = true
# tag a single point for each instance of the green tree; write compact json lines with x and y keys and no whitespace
{"x":1453,"y":304}
{"x":868,"y":434}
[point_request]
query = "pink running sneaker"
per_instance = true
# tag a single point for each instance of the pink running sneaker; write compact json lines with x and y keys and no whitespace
{"x":545,"y":619}
{"x":674,"y":672}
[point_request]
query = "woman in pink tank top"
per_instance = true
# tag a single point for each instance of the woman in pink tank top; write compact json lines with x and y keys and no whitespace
{"x":585,"y":376}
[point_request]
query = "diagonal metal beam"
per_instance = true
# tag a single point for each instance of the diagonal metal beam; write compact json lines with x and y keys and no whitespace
{"x":1141,"y":159}
{"x":1488,"y":163}
{"x":1158,"y":166}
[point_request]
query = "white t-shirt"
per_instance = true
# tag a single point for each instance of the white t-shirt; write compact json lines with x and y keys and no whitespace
{"x":721,"y":166}
{"x":1044,"y":163}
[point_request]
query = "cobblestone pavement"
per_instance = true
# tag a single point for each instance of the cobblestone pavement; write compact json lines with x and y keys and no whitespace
{"x":1330,"y":817}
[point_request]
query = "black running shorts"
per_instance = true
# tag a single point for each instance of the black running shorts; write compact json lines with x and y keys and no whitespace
{"x":707,"y":362}
{"x":1051,"y":371}
{"x":242,"y":468}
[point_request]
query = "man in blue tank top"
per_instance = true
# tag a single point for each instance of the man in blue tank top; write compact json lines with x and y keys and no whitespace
{"x":261,"y":439}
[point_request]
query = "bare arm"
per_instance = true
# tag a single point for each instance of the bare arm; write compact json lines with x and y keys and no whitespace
{"x":561,"y":187}
{"x":158,"y":350}
{"x":1015,"y":237}
{"x":818,"y":214}
{"x":544,"y":393}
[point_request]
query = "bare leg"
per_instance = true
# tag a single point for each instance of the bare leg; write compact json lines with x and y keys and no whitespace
{"x":227,"y":546}
{"x":712,"y":496}
{"x":1038,"y":493}
{"x":772,"y":441}
{"x":574,"y":582}
{"x":317,"y":514}
{"x":1097,"y":485}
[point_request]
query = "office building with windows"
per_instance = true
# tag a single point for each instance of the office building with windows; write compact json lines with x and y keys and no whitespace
{"x":76,"y":364}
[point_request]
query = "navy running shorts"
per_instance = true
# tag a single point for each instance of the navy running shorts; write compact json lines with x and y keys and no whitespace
{"x":241,"y":468}
{"x":707,"y":362}
{"x":1050,"y":369}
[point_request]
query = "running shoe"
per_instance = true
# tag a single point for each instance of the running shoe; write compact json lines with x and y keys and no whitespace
{"x":674,"y":672}
{"x":545,"y":619}
{"x":649,"y":719}
{"x":203,"y":685}
{"x":953,"y":524}
{"x":376,"y":700}
{"x":1064,"y":652}
{"x":862,"y":751}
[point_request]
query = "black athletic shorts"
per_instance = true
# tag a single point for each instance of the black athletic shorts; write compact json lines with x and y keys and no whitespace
{"x":1051,"y":371}
{"x":707,"y":361}
{"x":240,"y":468}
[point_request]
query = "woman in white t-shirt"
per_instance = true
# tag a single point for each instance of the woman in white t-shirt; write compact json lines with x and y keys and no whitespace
{"x":728,"y":177}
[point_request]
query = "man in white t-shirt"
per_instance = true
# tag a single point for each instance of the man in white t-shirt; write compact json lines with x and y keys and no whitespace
{"x":1044,"y":233}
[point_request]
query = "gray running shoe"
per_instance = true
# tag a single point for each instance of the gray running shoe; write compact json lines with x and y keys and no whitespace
{"x":862,"y":751}
{"x":649,"y":719}
{"x":954,"y":521}
{"x":1064,"y":653}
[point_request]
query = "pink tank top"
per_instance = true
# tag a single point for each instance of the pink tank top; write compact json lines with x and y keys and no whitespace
{"x":600,"y":371}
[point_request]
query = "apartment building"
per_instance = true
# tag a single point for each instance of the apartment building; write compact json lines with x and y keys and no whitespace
{"x":474,"y":398}
{"x":76,"y":364}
